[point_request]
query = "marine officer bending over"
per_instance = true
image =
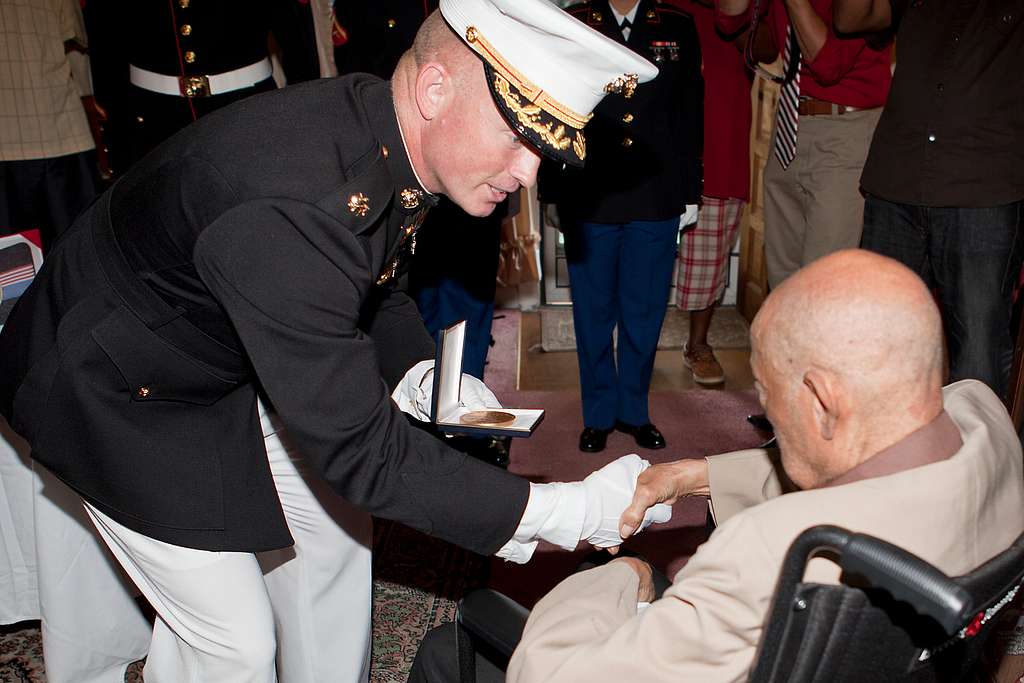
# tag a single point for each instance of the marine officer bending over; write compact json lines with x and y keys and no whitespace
{"x":238,"y":281}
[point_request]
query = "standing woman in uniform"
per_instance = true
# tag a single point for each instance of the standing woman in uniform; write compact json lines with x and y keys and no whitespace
{"x":620,"y":214}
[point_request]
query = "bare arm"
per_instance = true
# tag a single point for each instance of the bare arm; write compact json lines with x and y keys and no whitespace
{"x":861,"y":16}
{"x":810,"y":29}
{"x":732,"y":8}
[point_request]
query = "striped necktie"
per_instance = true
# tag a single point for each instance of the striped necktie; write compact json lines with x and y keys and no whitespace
{"x":787,"y":117}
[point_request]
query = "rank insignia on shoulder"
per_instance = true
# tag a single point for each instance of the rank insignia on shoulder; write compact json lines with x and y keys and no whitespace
{"x":596,"y":17}
{"x":359,"y":204}
{"x":651,"y":14}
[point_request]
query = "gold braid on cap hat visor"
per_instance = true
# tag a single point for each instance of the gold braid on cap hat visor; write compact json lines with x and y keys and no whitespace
{"x":531,"y":92}
{"x":528,"y":116}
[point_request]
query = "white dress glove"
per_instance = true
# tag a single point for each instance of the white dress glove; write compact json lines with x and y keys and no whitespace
{"x":414,"y":392}
{"x":609,"y":492}
{"x":474,"y":394}
{"x":564,"y":513}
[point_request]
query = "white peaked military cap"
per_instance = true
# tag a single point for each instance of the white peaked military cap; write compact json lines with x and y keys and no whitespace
{"x":546,"y":69}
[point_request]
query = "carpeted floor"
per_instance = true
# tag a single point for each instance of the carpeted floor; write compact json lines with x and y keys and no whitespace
{"x":729,"y":329}
{"x":21,"y":654}
{"x":417,"y":582}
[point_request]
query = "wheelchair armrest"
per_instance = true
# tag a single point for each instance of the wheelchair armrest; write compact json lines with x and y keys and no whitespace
{"x":494,"y":619}
{"x":908,"y":578}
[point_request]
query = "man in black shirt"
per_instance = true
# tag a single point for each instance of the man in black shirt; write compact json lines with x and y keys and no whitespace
{"x":945,"y":175}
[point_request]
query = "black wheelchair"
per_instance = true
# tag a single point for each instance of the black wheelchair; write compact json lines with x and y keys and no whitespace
{"x":895,"y":617}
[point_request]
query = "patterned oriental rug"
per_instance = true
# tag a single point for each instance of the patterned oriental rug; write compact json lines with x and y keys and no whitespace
{"x":417,"y":582}
{"x":21,"y":653}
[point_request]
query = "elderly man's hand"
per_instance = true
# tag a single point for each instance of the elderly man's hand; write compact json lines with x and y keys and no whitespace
{"x":665,"y":483}
{"x":645,"y":591}
{"x":609,"y":490}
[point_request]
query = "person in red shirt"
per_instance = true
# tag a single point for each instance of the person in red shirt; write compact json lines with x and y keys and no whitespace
{"x":704,"y":247}
{"x":829,"y":104}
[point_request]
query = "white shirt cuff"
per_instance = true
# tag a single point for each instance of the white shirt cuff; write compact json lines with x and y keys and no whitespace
{"x":554,"y":513}
{"x":517,"y":552}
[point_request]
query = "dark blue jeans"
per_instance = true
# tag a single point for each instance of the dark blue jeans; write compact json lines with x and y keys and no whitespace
{"x":972,"y":256}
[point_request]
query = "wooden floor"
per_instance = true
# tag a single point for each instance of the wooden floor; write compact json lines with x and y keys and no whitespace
{"x":558,"y":370}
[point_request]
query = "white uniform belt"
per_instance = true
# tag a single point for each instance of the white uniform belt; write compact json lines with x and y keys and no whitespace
{"x":201,"y":86}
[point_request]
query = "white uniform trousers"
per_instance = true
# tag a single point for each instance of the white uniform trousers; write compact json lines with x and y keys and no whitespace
{"x":54,"y":568}
{"x":300,"y":615}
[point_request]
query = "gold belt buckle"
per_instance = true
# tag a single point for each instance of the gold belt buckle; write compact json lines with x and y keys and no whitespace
{"x":194,"y":86}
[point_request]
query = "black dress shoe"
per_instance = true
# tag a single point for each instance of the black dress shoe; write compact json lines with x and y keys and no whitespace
{"x":760,"y":421}
{"x":493,"y":450}
{"x":647,"y":436}
{"x":593,"y":440}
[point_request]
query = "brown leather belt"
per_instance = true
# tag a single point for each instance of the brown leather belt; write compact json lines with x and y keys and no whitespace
{"x":810,"y":106}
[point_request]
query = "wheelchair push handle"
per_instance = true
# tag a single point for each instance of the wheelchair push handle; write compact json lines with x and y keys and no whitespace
{"x":902,"y":574}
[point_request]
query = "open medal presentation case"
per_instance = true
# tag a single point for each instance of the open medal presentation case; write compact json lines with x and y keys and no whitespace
{"x":446,"y":409}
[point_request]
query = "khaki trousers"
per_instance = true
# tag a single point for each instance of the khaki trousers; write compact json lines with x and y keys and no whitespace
{"x":815,"y":207}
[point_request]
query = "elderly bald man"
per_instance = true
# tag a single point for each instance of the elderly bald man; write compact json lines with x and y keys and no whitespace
{"x":208,"y":356}
{"x":847,"y":358}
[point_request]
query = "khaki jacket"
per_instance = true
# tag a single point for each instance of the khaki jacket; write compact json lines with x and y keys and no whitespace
{"x":956,"y":514}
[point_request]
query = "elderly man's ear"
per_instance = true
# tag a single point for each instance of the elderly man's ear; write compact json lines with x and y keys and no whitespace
{"x":433,"y":87}
{"x":825,"y":401}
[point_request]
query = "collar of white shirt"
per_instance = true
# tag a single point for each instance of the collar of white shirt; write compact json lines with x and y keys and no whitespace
{"x":631,"y":15}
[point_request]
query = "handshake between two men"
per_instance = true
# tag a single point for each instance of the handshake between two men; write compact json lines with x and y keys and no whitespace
{"x":613,"y":503}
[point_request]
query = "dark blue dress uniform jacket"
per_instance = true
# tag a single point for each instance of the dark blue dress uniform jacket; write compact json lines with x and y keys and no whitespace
{"x":644,"y":152}
{"x":241,"y":257}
